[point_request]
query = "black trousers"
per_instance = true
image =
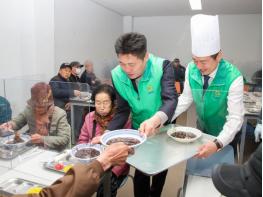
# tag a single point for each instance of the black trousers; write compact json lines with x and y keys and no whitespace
{"x":142,"y":186}
{"x":115,"y":184}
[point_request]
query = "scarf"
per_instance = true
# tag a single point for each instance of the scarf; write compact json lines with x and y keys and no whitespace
{"x":43,"y":121}
{"x":103,"y":121}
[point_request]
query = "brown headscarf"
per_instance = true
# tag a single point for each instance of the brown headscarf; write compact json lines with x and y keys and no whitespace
{"x":41,"y":97}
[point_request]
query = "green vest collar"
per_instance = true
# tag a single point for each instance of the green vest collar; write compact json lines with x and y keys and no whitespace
{"x":219,"y":77}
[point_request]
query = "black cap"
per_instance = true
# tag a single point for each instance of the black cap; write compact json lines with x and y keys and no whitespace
{"x":75,"y":63}
{"x":65,"y":65}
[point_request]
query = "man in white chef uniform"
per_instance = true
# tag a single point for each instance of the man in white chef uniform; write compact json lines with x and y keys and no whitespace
{"x":214,"y":85}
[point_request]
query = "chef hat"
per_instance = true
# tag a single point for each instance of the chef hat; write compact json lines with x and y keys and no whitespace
{"x":205,"y":35}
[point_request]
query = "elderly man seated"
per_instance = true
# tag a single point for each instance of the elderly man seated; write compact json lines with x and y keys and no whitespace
{"x":88,"y":76}
{"x":61,"y":87}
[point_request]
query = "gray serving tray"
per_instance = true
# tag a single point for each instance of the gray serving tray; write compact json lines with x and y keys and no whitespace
{"x":17,"y":186}
{"x":7,"y":154}
{"x":63,"y":158}
{"x":4,"y":133}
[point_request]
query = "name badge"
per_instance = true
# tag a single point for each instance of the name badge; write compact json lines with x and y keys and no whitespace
{"x":217,"y":93}
{"x":149,"y":88}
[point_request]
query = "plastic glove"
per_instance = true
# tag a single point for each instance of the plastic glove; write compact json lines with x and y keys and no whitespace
{"x":258,"y":132}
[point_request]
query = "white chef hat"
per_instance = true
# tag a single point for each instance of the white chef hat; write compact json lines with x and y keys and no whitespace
{"x":205,"y":35}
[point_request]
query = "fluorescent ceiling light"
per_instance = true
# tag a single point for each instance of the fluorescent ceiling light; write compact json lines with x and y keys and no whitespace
{"x":195,"y":4}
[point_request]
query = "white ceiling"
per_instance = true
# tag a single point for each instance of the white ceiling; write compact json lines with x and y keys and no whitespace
{"x":180,"y":7}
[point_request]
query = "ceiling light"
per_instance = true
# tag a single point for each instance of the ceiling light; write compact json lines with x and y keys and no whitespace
{"x":195,"y":4}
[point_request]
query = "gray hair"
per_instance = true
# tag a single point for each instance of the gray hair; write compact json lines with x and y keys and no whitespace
{"x":88,"y":62}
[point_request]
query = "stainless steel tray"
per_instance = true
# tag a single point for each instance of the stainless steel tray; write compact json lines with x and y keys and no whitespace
{"x":8,"y":154}
{"x":4,"y":133}
{"x":17,"y":186}
{"x":64,"y":159}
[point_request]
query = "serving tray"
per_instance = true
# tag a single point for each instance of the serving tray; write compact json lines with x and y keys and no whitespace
{"x":8,"y":154}
{"x":5,"y":133}
{"x":19,"y":186}
{"x":61,"y":163}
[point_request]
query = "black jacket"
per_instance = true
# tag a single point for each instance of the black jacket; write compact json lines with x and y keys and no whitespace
{"x":179,"y":73}
{"x":61,"y":90}
{"x":89,"y":78}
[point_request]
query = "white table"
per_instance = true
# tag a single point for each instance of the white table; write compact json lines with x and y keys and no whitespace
{"x":34,"y":166}
{"x":161,"y":152}
{"x":30,"y":167}
{"x":13,"y":174}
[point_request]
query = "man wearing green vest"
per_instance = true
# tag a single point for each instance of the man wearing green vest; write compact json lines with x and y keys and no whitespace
{"x":214,"y":85}
{"x":145,"y":89}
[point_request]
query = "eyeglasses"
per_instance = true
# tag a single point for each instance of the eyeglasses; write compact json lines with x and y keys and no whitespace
{"x":104,"y":103}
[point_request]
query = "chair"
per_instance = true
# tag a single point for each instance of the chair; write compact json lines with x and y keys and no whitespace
{"x":244,"y":133}
{"x":198,"y":172}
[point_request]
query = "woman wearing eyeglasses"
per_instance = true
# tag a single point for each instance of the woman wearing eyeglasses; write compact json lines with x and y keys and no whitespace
{"x":95,"y":125}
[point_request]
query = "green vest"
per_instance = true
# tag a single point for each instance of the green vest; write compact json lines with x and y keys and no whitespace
{"x":211,"y":107}
{"x":147,"y":101}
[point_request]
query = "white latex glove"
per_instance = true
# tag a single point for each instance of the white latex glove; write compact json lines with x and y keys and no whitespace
{"x":258,"y":132}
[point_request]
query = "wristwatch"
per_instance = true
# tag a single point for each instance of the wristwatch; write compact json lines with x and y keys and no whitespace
{"x":218,"y":144}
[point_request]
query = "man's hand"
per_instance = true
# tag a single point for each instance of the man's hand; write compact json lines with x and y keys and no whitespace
{"x":115,"y":154}
{"x":206,"y":150}
{"x":67,"y":106}
{"x":37,"y":139}
{"x":149,"y":126}
{"x":77,"y":93}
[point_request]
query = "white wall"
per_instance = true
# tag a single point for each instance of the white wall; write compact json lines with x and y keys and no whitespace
{"x":241,"y":39}
{"x":27,"y":47}
{"x":37,"y":35}
{"x":84,"y":30}
{"x":26,"y":37}
{"x":127,"y":24}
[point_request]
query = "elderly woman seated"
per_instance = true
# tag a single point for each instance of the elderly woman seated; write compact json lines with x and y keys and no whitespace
{"x":96,"y":123}
{"x":47,"y":123}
